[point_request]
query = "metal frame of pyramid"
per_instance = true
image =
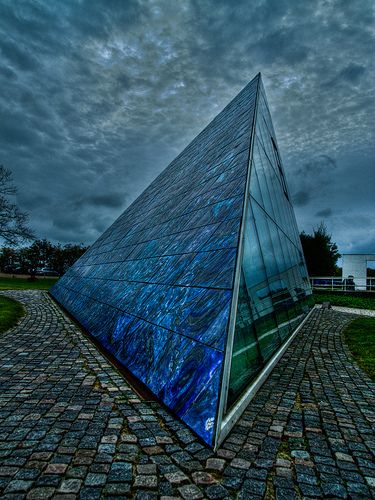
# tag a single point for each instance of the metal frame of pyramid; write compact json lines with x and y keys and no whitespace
{"x":160,"y":288}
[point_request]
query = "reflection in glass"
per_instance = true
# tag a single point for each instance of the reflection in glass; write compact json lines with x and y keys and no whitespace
{"x":274,"y":293}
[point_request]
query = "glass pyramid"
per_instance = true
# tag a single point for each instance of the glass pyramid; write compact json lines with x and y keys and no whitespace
{"x":202,"y":279}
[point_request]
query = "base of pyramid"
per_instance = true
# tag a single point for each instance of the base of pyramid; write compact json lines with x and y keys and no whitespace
{"x":238,"y":409}
{"x":136,"y":385}
{"x":139,"y":388}
{"x":228,"y":422}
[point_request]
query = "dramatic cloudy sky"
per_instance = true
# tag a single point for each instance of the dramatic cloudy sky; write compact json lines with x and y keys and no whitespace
{"x":98,"y":96}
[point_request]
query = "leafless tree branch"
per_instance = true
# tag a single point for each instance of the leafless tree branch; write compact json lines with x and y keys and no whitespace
{"x":14,"y":227}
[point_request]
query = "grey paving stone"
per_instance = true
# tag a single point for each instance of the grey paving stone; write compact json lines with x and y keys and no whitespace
{"x":89,"y":493}
{"x":334,"y":490}
{"x":146,"y":482}
{"x":95,"y":479}
{"x":309,"y":490}
{"x":70,"y":486}
{"x":285,"y":494}
{"x":203,"y":478}
{"x":40,"y":493}
{"x":190,"y":492}
{"x":116,"y":489}
{"x":176,"y":477}
{"x":48,"y":480}
{"x":145,"y":495}
{"x":146,"y":469}
{"x":233,"y":483}
{"x":254,"y":487}
{"x":215,"y":464}
{"x":307,"y":479}
{"x":120,"y":471}
{"x":300,"y":454}
{"x":216,"y":491}
{"x":28,"y":474}
{"x":18,"y":485}
{"x":358,"y":488}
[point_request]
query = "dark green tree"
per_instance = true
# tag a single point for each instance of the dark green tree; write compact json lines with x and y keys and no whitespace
{"x":37,"y":255}
{"x":64,"y":257}
{"x":321,"y":253}
{"x":8,"y":259}
{"x":42,"y":253}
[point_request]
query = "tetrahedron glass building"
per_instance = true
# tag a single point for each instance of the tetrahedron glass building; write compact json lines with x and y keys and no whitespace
{"x":202,"y":279}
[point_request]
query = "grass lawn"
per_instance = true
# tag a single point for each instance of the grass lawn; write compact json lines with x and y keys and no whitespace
{"x":10,"y":312}
{"x":359,"y":336}
{"x":25,"y":284}
{"x":346,"y":300}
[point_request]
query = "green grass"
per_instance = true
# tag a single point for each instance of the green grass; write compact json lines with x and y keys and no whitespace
{"x":346,"y":300}
{"x":359,"y":336}
{"x":25,"y":284}
{"x":11,"y":312}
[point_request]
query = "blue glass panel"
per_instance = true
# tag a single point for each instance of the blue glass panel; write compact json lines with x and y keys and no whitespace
{"x":128,"y":298}
{"x":227,"y":209}
{"x":215,"y":335}
{"x":154,"y":306}
{"x":170,"y":267}
{"x":199,"y":318}
{"x":193,"y":368}
{"x":189,"y":241}
{"x":141,"y":346}
{"x":201,"y":416}
{"x":124,"y":321}
{"x":207,"y":269}
{"x":144,"y":270}
{"x":142,"y":294}
{"x":225,"y":236}
{"x":185,"y":300}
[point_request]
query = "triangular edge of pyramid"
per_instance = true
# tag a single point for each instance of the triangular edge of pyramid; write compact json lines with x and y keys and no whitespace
{"x":222,"y":426}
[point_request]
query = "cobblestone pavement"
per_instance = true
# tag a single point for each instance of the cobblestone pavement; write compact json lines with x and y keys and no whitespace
{"x":70,"y":426}
{"x":361,"y":312}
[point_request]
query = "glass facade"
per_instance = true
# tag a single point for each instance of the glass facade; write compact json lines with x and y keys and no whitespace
{"x":274,"y":293}
{"x":156,"y":289}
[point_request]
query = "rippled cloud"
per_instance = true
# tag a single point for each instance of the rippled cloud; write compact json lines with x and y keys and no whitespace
{"x":99,"y":96}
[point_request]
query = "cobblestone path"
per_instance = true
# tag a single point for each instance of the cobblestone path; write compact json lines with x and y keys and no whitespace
{"x":361,"y":312}
{"x":70,"y":425}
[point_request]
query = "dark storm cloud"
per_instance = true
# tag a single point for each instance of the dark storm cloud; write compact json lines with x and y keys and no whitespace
{"x":17,"y":57}
{"x":99,"y":96}
{"x":326,"y":212}
{"x":352,"y":73}
{"x":111,"y":200}
{"x":313,"y":179}
{"x":301,"y":198}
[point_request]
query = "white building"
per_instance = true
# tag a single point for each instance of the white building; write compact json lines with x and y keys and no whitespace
{"x":355,"y":265}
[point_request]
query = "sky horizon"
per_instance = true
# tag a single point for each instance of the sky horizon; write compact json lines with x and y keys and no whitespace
{"x":98,"y":97}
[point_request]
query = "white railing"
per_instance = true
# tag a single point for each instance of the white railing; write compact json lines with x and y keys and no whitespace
{"x":343,"y":284}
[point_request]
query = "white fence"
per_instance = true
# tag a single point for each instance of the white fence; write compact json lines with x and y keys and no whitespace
{"x":343,"y":284}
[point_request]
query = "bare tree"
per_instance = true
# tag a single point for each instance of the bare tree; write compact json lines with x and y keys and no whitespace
{"x":13,"y":222}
